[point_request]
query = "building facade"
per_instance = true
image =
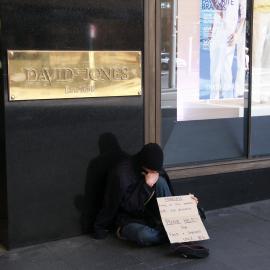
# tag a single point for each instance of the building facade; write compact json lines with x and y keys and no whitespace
{"x":193,"y":76}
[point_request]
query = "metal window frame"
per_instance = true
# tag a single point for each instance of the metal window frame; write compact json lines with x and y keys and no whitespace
{"x":152,"y":102}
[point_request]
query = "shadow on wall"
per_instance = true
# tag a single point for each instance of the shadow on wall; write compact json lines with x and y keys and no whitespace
{"x":90,"y":203}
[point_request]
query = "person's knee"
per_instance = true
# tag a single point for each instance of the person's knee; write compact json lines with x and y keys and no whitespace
{"x":147,"y":237}
{"x":162,"y":188}
{"x":161,"y":182}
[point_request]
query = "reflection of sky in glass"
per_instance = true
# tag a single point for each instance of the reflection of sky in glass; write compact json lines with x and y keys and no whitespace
{"x":261,"y":59}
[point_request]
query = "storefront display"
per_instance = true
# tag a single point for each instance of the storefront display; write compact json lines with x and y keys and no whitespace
{"x":261,"y":57}
{"x":212,"y":41}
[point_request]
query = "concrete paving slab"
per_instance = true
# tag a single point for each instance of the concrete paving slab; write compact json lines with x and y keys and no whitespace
{"x":259,"y":209}
{"x":155,"y":257}
{"x":41,"y":265}
{"x":93,"y":256}
{"x":205,"y":264}
{"x":242,"y":223}
{"x":2,"y":249}
{"x":239,"y":241}
{"x":66,"y":247}
{"x":236,"y":251}
{"x":141,"y":266}
{"x":34,"y":257}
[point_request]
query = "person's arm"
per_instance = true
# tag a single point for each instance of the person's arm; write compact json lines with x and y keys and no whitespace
{"x":233,"y":38}
{"x":137,"y":198}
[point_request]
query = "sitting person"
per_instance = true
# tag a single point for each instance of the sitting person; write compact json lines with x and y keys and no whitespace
{"x":130,"y":205}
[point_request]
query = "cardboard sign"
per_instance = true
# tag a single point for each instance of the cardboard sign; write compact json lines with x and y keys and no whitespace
{"x":181,"y":219}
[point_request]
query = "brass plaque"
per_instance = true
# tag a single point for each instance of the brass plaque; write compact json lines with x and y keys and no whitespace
{"x":73,"y":74}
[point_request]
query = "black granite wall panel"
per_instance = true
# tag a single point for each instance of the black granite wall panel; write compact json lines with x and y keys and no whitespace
{"x":3,"y":194}
{"x":50,"y":143}
{"x":223,"y":190}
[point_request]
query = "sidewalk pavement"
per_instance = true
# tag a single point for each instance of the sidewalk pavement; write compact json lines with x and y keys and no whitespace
{"x":240,"y":240}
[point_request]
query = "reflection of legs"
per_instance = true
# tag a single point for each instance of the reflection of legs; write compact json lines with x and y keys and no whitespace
{"x":239,"y":86}
{"x":216,"y":62}
{"x":226,"y":75}
{"x":265,"y":91}
{"x":215,"y":70}
{"x":259,"y":37}
{"x":143,"y":235}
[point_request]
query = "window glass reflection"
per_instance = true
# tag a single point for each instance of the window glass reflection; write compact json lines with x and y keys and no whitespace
{"x":260,"y":111}
{"x":261,"y":57}
{"x":204,"y":62}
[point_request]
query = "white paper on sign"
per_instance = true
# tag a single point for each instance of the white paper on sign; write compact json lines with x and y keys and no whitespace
{"x":181,"y":219}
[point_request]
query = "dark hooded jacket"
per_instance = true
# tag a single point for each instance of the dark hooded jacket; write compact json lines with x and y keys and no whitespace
{"x":128,"y":198}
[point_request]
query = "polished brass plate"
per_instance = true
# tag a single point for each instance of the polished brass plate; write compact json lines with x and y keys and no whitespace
{"x":37,"y":75}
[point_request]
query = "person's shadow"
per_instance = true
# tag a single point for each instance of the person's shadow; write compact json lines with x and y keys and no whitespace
{"x":91,"y":202}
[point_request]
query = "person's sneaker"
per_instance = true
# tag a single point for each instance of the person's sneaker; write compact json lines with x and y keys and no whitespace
{"x":189,"y":250}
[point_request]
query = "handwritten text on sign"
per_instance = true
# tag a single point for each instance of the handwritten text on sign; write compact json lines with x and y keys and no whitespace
{"x":181,"y":219}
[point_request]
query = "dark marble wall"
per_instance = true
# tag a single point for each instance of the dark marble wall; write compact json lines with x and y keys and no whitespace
{"x":3,"y":198}
{"x":224,"y":190}
{"x":50,"y":143}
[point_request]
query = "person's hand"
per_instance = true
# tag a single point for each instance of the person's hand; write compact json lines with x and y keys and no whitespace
{"x":232,"y":39}
{"x":194,"y":198}
{"x":150,"y":177}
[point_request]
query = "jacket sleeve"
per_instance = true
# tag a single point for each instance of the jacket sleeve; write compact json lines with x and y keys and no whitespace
{"x":138,"y":197}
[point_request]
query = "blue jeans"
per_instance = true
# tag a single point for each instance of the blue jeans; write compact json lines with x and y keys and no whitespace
{"x":144,"y":235}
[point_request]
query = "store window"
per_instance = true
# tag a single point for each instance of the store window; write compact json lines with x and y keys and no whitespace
{"x":204,"y":80}
{"x":260,"y":131}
